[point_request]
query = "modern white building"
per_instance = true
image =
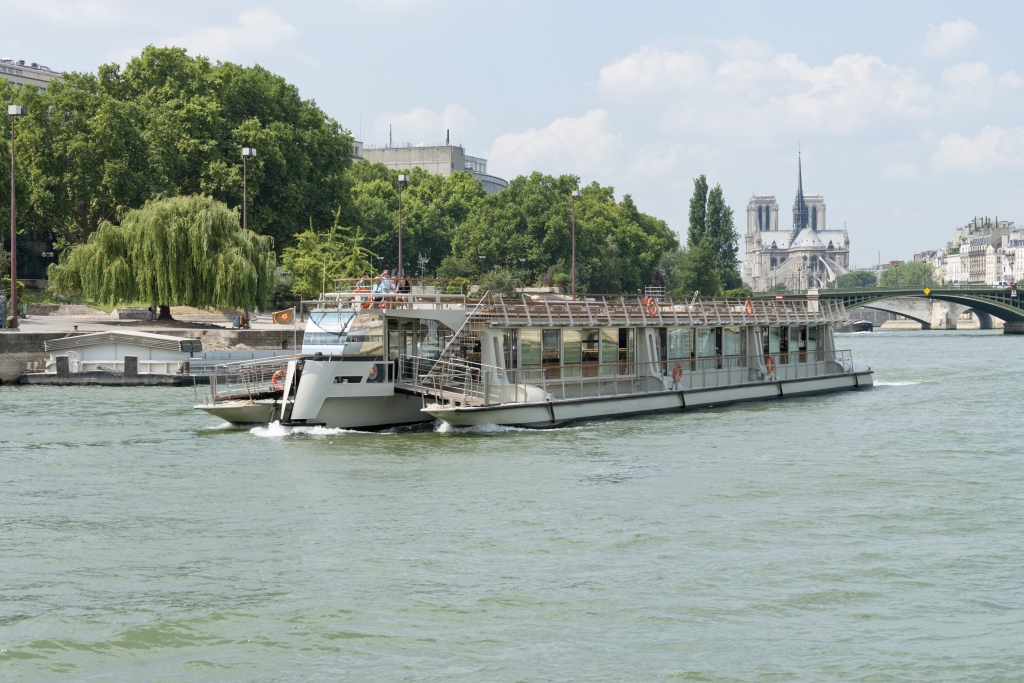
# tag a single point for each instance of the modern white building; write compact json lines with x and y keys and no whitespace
{"x":17,"y":72}
{"x":439,"y":159}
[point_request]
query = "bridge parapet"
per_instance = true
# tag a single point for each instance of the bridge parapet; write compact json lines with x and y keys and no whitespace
{"x":1005,"y":304}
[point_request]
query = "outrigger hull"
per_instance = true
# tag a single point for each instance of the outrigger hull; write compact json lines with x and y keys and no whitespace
{"x":554,"y":413}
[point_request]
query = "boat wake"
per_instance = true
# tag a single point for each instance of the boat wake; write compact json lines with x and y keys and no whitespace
{"x":276,"y":429}
{"x":908,"y":383}
{"x":445,"y":428}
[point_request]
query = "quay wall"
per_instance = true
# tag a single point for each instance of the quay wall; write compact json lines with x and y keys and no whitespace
{"x":18,"y":348}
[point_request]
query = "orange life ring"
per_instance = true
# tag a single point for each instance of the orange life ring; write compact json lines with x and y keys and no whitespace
{"x":651,"y":306}
{"x":769,"y":364}
{"x":748,"y":308}
{"x":273,"y":380}
{"x":677,"y":373}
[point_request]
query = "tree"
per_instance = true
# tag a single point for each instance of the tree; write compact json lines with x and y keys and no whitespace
{"x":178,"y":251}
{"x":698,"y":211}
{"x":711,"y":221}
{"x":617,"y":246}
{"x":169,"y":124}
{"x":912,"y":274}
{"x":856,"y":279}
{"x":695,"y":272}
{"x":317,"y":259}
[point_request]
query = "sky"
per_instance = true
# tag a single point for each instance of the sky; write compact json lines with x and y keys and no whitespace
{"x":908,"y":114}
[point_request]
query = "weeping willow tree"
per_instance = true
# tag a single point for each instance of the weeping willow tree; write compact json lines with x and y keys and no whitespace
{"x":183,"y":251}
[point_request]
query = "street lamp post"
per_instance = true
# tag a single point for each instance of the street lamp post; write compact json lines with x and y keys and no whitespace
{"x":247,"y":153}
{"x":402,"y":180}
{"x":575,"y":196}
{"x":13,"y":112}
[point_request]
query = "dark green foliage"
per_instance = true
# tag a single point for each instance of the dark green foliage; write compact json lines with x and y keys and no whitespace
{"x":912,"y":274}
{"x":617,"y":246}
{"x":168,"y":124}
{"x":187,"y":251}
{"x":711,"y":222}
{"x":694,"y":271}
{"x":856,"y":279}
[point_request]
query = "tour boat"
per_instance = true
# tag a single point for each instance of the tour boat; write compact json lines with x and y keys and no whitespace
{"x":375,"y":361}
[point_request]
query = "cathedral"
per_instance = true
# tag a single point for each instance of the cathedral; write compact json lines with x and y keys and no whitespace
{"x":806,"y":257}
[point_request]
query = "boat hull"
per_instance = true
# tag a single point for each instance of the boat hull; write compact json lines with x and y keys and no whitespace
{"x":553,"y":413}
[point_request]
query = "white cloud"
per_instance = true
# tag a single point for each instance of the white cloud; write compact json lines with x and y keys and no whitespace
{"x":950,"y":38}
{"x":994,"y":148}
{"x":589,"y":144}
{"x":743,"y":88}
{"x":424,"y":126}
{"x":256,"y":31}
{"x":650,"y":70}
{"x":901,"y":170}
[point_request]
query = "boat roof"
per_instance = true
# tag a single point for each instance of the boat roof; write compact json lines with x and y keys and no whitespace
{"x":558,"y":310}
{"x":147,"y":339}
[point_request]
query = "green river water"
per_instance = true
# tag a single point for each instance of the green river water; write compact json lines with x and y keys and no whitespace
{"x":863,"y":536}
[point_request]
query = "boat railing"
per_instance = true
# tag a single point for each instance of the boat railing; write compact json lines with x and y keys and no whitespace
{"x":246,"y":380}
{"x":457,"y":381}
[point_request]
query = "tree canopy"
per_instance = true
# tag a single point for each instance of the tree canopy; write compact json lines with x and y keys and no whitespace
{"x":710,"y":264}
{"x":911,"y":274}
{"x":169,"y":124}
{"x":855,"y":279}
{"x":178,"y":251}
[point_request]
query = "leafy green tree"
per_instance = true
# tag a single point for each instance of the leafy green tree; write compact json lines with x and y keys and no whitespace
{"x":499,"y":279}
{"x":698,"y":211}
{"x":711,"y":220}
{"x":854,"y":280}
{"x":696,"y":272}
{"x":911,"y":274}
{"x":178,"y":251}
{"x":317,"y":259}
{"x":526,"y":229}
{"x":169,"y":124}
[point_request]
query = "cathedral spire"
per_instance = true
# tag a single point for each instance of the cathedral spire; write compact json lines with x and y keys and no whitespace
{"x":799,"y":206}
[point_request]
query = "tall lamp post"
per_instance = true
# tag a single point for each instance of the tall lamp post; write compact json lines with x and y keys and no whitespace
{"x":14,"y":111}
{"x":575,"y":196}
{"x":247,"y":153}
{"x":402,"y":180}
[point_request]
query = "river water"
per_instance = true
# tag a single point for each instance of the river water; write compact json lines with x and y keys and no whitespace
{"x":868,"y":536}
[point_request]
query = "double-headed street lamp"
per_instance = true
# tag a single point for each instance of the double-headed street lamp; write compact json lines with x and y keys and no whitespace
{"x":575,"y":196}
{"x":247,"y":153}
{"x":402,"y":181}
{"x":14,"y":111}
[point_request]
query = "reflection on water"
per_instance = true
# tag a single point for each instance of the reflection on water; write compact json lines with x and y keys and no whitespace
{"x":870,"y":535}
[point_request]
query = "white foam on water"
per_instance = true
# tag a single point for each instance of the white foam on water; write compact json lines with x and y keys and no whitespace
{"x":276,"y":429}
{"x":445,"y":428}
{"x":908,"y":383}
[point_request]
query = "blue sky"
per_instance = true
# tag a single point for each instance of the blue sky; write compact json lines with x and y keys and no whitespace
{"x":909,"y":114}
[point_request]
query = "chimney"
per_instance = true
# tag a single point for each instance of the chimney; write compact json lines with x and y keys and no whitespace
{"x":447,"y":136}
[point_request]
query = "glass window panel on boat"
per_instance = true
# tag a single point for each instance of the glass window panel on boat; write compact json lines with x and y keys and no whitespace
{"x":679,"y":343}
{"x":794,"y":344}
{"x":529,"y":348}
{"x":365,"y":335}
{"x":609,"y":350}
{"x":774,"y":340}
{"x":572,"y":352}
{"x":431,"y":338}
{"x":705,"y":348}
{"x":733,"y":346}
{"x":551,"y":354}
{"x":591,"y":358}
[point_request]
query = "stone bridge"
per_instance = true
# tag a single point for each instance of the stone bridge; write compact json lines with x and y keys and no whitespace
{"x":939,"y":308}
{"x":933,"y":314}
